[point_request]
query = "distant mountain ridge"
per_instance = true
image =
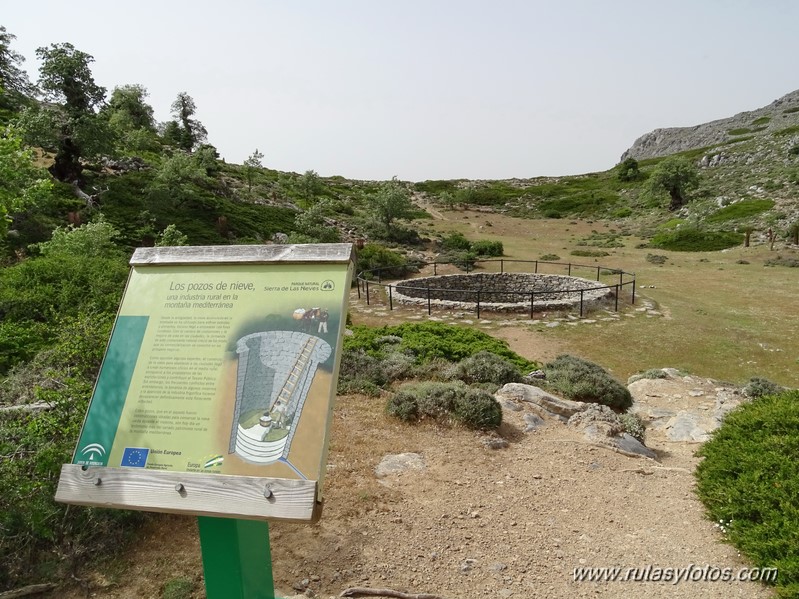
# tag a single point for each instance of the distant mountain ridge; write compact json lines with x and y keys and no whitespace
{"x":761,"y":122}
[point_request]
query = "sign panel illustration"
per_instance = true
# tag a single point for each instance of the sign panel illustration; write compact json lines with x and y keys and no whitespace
{"x":223,"y":365}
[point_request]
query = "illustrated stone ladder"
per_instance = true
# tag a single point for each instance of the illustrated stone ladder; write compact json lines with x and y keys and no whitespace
{"x":300,"y":366}
{"x":304,"y":359}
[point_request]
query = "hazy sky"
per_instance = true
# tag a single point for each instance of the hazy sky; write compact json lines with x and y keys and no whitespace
{"x":427,"y":89}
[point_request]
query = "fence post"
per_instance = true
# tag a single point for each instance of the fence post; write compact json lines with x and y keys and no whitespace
{"x":358,"y":280}
{"x":429,"y":312}
{"x":532,"y":304}
{"x":435,"y":268}
{"x":633,"y":300}
{"x":570,"y":269}
{"x":617,"y":298}
{"x":597,"y":273}
{"x":536,"y":266}
{"x":390,"y":299}
{"x":621,"y":277}
{"x":367,"y":292}
{"x":581,"y":303}
{"x":502,"y":266}
{"x":478,"y":304}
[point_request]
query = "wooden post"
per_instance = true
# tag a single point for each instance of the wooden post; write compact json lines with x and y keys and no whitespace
{"x":581,"y":303}
{"x":532,"y":304}
{"x":367,"y":292}
{"x":478,"y":304}
{"x":502,"y":266}
{"x":597,"y":273}
{"x":390,"y":299}
{"x":617,"y":298}
{"x":570,"y":269}
{"x":429,"y":309}
{"x":536,"y":266}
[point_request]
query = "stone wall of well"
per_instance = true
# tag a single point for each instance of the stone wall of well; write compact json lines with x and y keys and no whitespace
{"x":502,"y":292}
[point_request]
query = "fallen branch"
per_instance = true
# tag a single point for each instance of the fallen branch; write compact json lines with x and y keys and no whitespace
{"x":364,"y":592}
{"x":31,"y":589}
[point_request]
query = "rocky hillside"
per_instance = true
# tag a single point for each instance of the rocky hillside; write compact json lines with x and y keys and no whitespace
{"x":763,"y":123}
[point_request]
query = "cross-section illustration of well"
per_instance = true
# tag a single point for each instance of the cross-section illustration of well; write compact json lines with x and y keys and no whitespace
{"x":275,"y":372}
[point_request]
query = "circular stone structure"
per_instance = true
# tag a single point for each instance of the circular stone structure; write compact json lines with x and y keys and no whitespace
{"x":503,"y":292}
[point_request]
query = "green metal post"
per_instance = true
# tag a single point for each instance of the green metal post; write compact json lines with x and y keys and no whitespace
{"x":237,"y":560}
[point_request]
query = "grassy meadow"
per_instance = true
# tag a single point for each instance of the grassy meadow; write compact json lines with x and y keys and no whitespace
{"x":722,"y":319}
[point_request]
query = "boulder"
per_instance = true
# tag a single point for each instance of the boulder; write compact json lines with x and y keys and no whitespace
{"x":549,"y":405}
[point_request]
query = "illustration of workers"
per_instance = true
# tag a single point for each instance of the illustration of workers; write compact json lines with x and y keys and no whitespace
{"x":324,"y":316}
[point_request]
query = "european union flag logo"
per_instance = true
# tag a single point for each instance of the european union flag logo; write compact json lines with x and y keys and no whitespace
{"x":135,"y":457}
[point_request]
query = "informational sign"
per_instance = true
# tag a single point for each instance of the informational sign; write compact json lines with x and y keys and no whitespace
{"x":222,"y":361}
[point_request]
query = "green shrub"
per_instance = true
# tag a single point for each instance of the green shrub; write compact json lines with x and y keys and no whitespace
{"x":455,"y":241}
{"x":759,"y":387}
{"x":688,"y":239}
{"x":787,"y":131}
{"x":656,"y":258}
{"x":550,"y":258}
{"x":429,"y":341}
{"x":581,"y":380}
{"x":360,"y":373}
{"x":486,"y":367}
{"x":763,"y":120}
{"x":590,"y":253}
{"x":41,"y":538}
{"x":374,"y":255}
{"x":634,"y":426}
{"x":623,"y":212}
{"x":478,"y":409}
{"x":403,"y":406}
{"x":488,"y":248}
{"x":742,"y":209}
{"x":782,"y":261}
{"x":445,"y":402}
{"x":749,"y":481}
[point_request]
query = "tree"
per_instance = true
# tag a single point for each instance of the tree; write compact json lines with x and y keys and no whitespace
{"x":191,"y":131}
{"x":310,"y":185}
{"x":177,"y":174}
{"x":15,"y":87}
{"x":69,"y":124}
{"x":628,"y":170}
{"x":392,"y":202}
{"x":131,"y":117}
{"x":311,"y":226}
{"x":22,"y":183}
{"x":253,"y":162}
{"x":676,"y":175}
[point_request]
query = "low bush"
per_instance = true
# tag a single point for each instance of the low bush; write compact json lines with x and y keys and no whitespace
{"x":445,"y":402}
{"x":686,"y":239}
{"x":656,"y":258}
{"x":634,"y":426}
{"x":590,"y":253}
{"x":488,"y":248}
{"x":739,"y":210}
{"x":455,"y":241}
{"x":360,"y":373}
{"x":550,"y":258}
{"x":581,"y":380}
{"x":429,"y":341}
{"x":749,"y":481}
{"x":782,"y":261}
{"x":758,"y":387}
{"x":374,"y":255}
{"x":41,"y":538}
{"x":486,"y":367}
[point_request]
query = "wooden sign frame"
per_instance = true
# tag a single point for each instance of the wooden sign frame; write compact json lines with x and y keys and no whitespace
{"x":125,"y":469}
